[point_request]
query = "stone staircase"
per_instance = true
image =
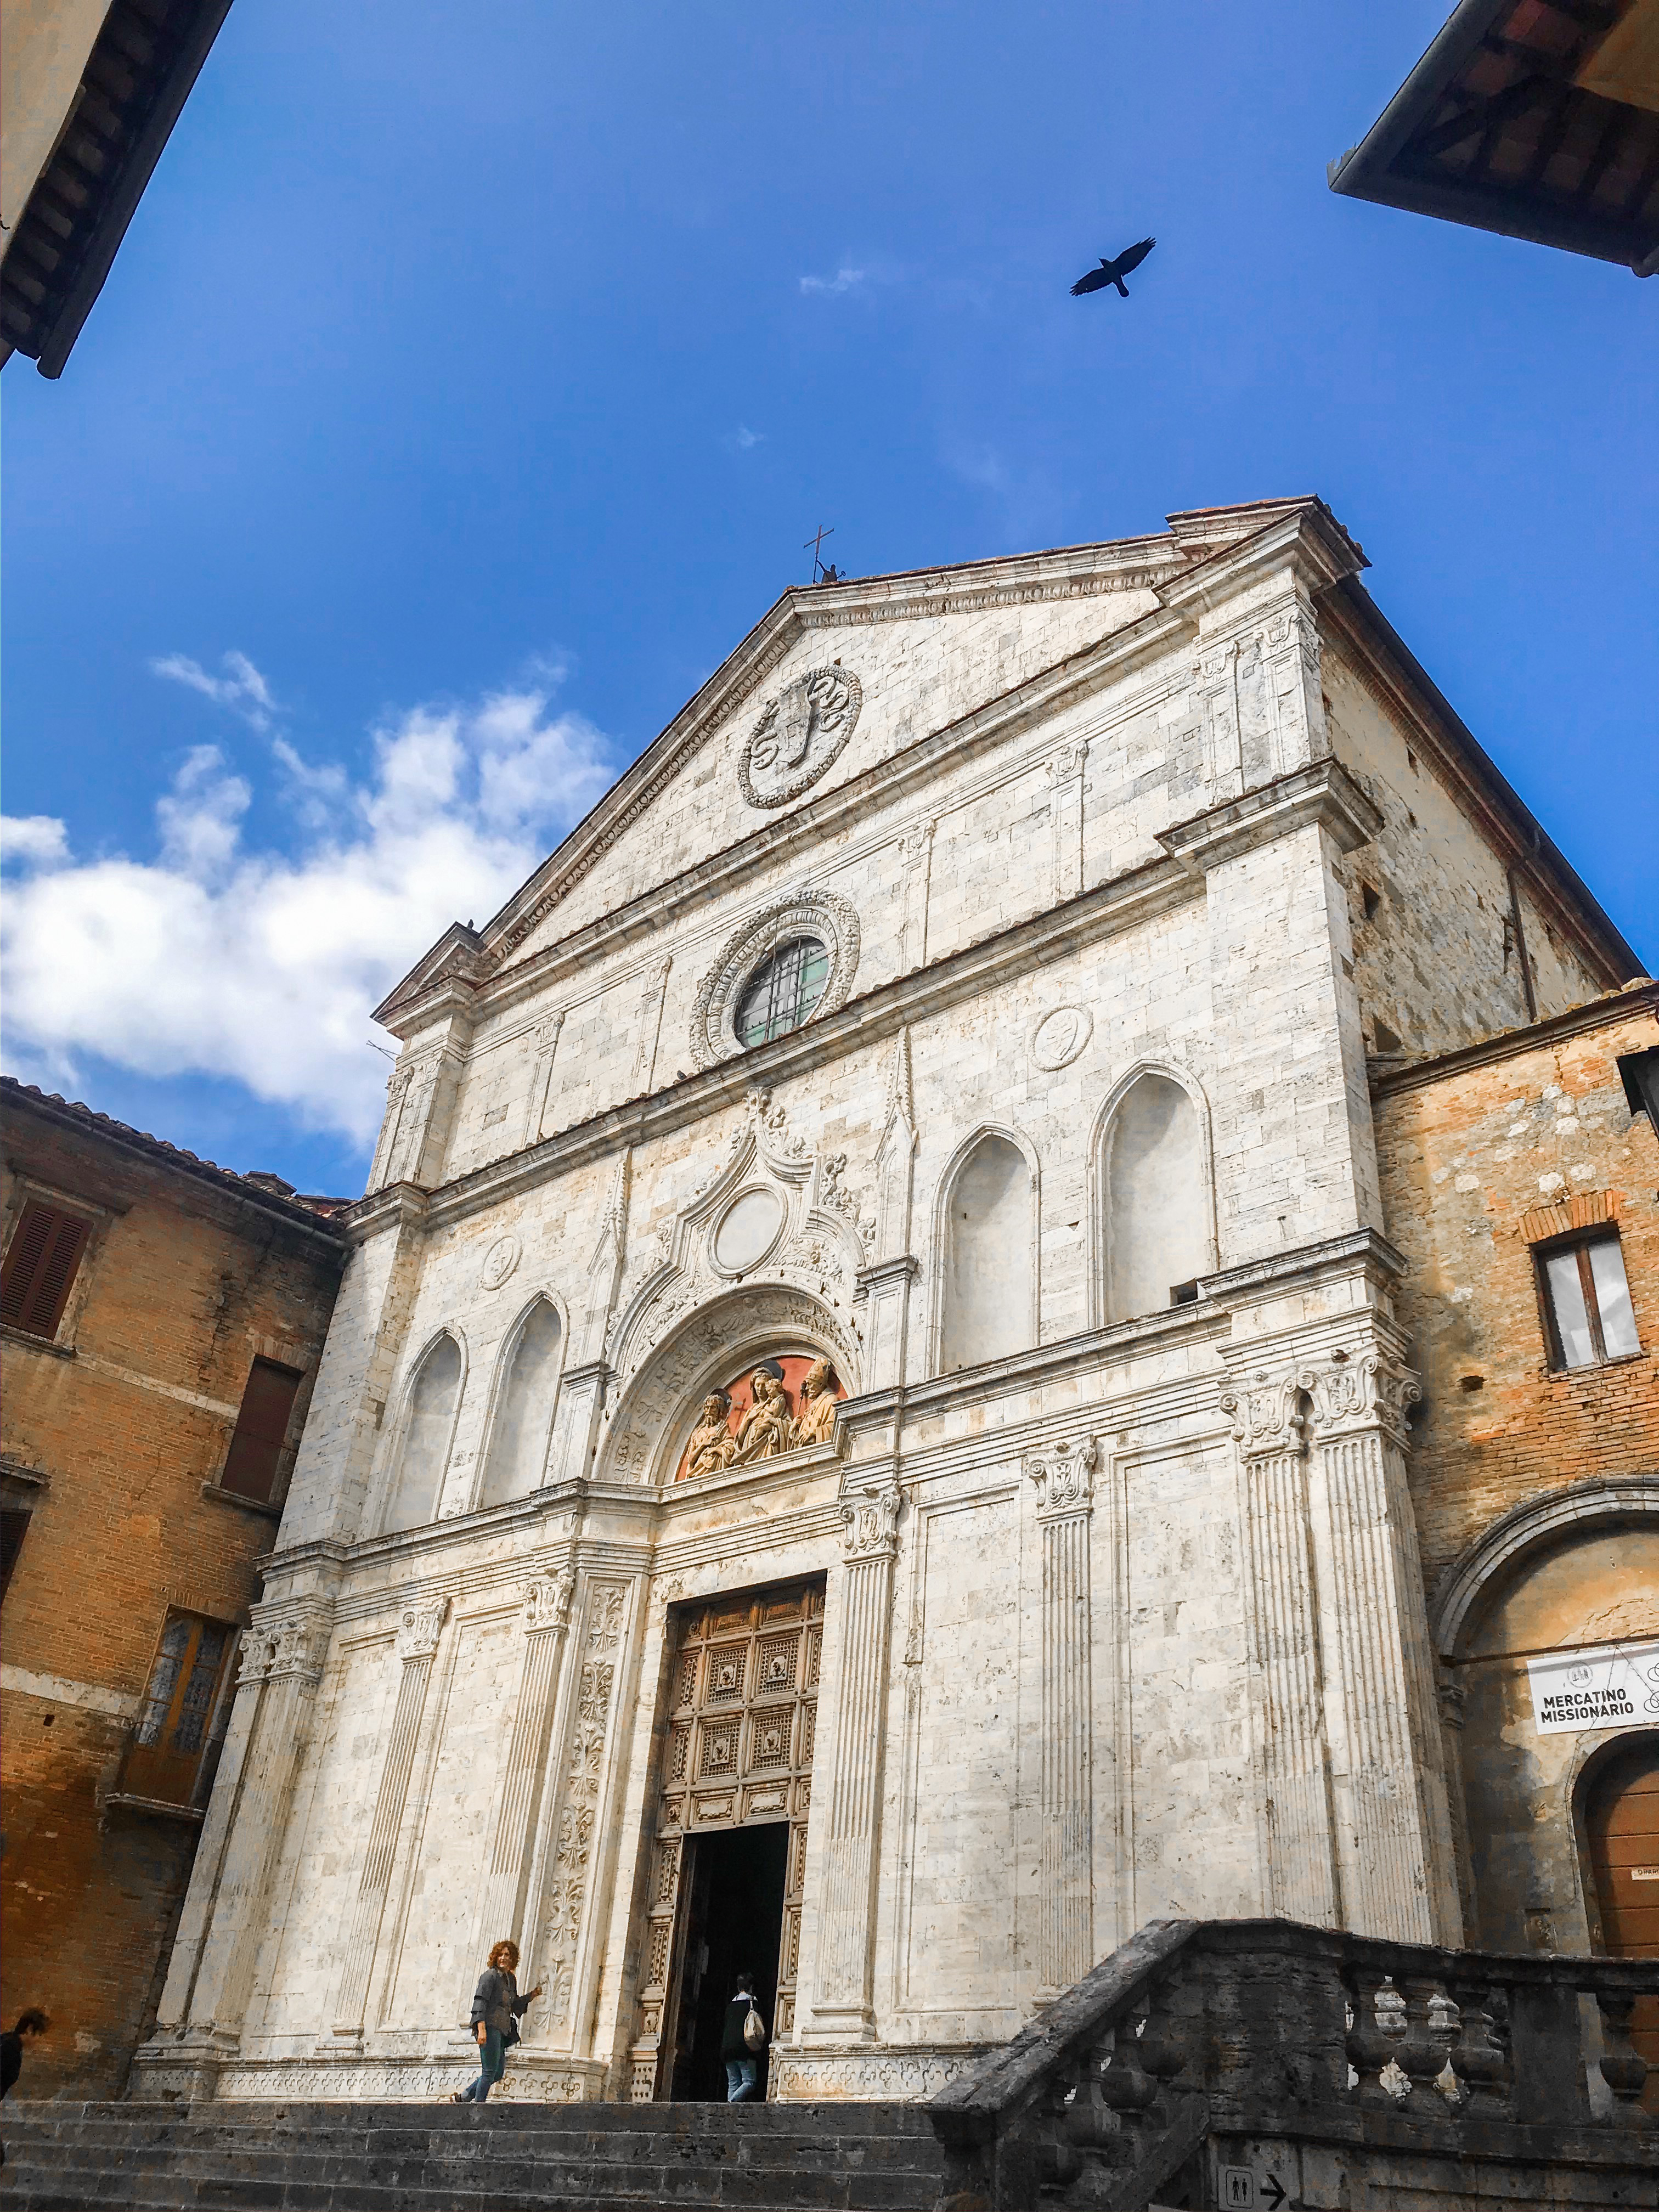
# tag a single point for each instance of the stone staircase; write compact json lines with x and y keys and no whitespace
{"x":249,"y":2157}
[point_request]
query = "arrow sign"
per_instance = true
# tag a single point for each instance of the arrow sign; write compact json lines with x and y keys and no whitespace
{"x":1273,"y":2192}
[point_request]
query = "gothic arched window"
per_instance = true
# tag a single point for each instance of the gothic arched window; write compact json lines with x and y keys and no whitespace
{"x":783,"y":992}
{"x":1156,"y":1195}
{"x":524,"y":1410}
{"x":427,"y":1428}
{"x":988,"y":1309}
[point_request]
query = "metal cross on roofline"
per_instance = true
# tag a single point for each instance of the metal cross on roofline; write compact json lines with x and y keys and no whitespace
{"x":813,"y":545}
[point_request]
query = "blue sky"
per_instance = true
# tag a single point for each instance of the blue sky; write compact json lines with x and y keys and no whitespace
{"x":469,"y":379}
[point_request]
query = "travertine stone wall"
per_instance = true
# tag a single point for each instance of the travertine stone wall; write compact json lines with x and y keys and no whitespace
{"x":1087,"y":825}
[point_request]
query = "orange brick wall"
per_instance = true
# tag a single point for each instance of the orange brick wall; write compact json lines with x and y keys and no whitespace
{"x":183,"y":1285}
{"x":1462,"y":1159}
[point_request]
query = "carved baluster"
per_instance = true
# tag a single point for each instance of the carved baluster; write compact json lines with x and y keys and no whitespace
{"x":1478,"y":2059}
{"x":1421,"y":2055}
{"x":1059,"y":2160}
{"x":1127,"y":2088}
{"x":1623,"y":2067}
{"x":1093,"y":2122}
{"x":1164,"y":2043}
{"x":1371,"y":2040}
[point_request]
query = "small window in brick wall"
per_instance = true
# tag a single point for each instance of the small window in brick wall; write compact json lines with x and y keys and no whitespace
{"x":256,"y":1448}
{"x":183,"y":1715}
{"x":1586,"y":1301}
{"x":40,"y":1268}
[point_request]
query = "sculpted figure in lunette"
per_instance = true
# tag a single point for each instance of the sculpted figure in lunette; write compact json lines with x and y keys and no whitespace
{"x":713,"y":1445}
{"x":816,"y":1421}
{"x":768,"y":1426}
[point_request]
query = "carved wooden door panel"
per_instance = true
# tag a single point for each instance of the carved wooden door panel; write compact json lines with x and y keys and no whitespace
{"x":741,"y":1719}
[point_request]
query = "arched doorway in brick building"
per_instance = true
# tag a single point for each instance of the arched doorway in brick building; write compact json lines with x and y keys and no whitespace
{"x":1621,"y":1822}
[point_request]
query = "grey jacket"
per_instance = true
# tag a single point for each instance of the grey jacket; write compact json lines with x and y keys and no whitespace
{"x":497,"y":2003}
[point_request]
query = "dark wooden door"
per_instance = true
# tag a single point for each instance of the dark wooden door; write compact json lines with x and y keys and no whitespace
{"x":1621,"y":1816}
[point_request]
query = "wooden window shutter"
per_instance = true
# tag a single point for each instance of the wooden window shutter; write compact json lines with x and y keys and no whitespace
{"x":256,"y":1448}
{"x":39,"y":1274}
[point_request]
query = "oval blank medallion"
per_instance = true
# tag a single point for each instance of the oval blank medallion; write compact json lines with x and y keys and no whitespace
{"x":1058,"y":1038}
{"x":748,"y":1230}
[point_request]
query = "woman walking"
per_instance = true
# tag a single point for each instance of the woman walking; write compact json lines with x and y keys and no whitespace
{"x":742,"y":2058}
{"x":496,"y":2009}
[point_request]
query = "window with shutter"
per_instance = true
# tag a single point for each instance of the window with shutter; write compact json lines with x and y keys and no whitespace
{"x":256,"y":1448}
{"x":183,"y":1715}
{"x":39,"y":1268}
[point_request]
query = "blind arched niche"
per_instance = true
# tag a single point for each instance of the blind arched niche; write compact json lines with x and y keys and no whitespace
{"x":1156,"y":1198}
{"x":427,"y":1429}
{"x":523,"y":1408}
{"x":989,"y":1235}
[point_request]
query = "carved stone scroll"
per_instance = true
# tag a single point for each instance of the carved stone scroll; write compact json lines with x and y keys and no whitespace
{"x":842,"y":1998}
{"x":1064,"y":1477}
{"x":419,"y":1628}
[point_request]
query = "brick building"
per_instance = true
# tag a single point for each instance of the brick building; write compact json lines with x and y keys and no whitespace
{"x":162,"y":1321}
{"x":1521,"y":1181}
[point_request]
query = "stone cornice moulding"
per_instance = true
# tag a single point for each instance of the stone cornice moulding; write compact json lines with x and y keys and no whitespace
{"x":1322,"y":792}
{"x":1606,"y":1013}
{"x":1330,"y":1258}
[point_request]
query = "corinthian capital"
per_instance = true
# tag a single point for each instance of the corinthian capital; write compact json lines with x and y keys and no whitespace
{"x":547,"y":1601}
{"x":1064,"y":1475}
{"x":869,"y":1523}
{"x":1367,"y":1392}
{"x":1266,"y":1411}
{"x":419,"y":1628}
{"x":292,"y":1645}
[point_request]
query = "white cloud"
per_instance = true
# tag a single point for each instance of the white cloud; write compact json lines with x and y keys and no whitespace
{"x":746,"y":440}
{"x":33,"y":841}
{"x":241,"y":688}
{"x":844,"y":280}
{"x":261,"y":965}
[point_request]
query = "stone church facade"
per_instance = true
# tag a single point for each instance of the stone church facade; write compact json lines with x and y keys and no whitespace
{"x":868,"y":1421}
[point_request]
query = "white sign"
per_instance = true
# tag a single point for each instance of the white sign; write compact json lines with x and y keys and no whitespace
{"x":1617,"y":1686}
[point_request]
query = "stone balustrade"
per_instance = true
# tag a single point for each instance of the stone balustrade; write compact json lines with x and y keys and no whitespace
{"x":1329,"y":2069}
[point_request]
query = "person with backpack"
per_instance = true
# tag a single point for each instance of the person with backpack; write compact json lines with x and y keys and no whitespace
{"x":497,"y":2008}
{"x":743,"y":2039}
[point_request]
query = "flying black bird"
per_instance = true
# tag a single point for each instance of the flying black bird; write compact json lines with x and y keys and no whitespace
{"x":1114,"y":272}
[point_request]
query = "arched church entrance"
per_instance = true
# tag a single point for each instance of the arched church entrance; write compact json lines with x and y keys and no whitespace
{"x":746,"y":1391}
{"x":1621,"y":1829}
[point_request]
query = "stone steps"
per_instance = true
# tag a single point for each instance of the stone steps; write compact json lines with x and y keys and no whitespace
{"x":250,"y":2157}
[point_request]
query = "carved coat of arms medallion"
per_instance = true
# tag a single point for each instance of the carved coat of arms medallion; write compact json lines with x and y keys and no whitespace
{"x":799,"y":734}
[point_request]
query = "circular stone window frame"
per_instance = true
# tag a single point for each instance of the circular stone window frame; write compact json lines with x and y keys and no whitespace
{"x":811,"y":772}
{"x":780,"y":1230}
{"x":824,"y":914}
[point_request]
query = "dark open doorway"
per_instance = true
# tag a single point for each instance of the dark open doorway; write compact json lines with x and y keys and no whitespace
{"x":733,"y":1891}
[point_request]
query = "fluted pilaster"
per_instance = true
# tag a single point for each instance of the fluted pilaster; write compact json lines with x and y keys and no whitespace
{"x":846,"y":1953}
{"x":1065,"y":1486}
{"x":545,"y":1619}
{"x":418,"y":1630}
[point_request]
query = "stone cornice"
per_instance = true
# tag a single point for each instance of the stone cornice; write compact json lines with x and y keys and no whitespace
{"x":1323,"y":792}
{"x":1642,"y":997}
{"x":397,"y":1205}
{"x":874,"y":1016}
{"x":1334,"y":1257}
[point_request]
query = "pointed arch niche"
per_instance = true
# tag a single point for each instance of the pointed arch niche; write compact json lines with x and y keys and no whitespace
{"x":424,"y":1436}
{"x":521,"y":1420}
{"x":1154,"y":1200}
{"x":986,"y":1247}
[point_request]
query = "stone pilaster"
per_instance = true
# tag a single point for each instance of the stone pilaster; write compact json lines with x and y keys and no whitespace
{"x":546,"y":1042}
{"x":1065,"y":816}
{"x":845,"y":1938}
{"x":545,"y":1619}
{"x":207,"y":1994}
{"x":1394,"y":1830}
{"x":1064,"y":1477}
{"x":1270,"y":1426}
{"x":916,"y":855}
{"x":418,"y":1630}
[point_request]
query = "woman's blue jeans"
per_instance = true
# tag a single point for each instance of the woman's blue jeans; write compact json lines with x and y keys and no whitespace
{"x":492,"y":2063}
{"x":741,"y":2076}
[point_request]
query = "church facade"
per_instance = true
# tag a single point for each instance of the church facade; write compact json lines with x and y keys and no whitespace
{"x":866,"y":1434}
